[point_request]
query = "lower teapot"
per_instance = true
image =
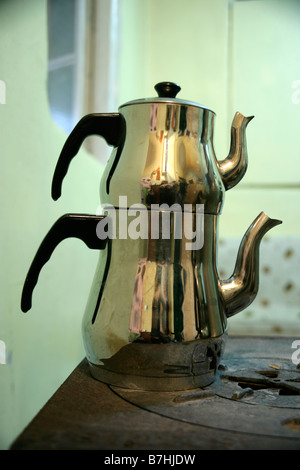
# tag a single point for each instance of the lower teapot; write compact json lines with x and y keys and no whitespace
{"x":156,"y":317}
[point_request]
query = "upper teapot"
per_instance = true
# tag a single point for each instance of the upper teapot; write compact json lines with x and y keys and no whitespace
{"x":167,"y":153}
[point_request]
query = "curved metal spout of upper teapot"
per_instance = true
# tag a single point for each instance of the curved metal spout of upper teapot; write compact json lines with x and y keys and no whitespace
{"x":240,"y":289}
{"x":234,"y":166}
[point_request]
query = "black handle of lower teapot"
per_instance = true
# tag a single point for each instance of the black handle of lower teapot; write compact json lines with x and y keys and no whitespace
{"x":109,"y":126}
{"x":80,"y":226}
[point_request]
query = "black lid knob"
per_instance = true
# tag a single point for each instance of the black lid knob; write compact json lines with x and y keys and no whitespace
{"x":167,"y":89}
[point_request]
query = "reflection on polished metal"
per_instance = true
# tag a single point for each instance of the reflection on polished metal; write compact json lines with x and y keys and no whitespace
{"x":233,"y":168}
{"x":241,"y":288}
{"x":163,"y":366}
{"x":156,"y":317}
{"x":168,"y":157}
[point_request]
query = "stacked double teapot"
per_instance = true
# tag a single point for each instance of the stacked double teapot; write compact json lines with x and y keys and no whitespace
{"x":156,"y":317}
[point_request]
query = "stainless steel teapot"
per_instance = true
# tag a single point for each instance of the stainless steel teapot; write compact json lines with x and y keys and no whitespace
{"x":156,"y":317}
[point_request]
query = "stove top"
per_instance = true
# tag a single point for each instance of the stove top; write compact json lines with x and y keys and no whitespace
{"x":258,"y":396}
{"x":253,"y":404}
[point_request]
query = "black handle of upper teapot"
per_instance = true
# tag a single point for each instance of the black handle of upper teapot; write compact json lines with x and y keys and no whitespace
{"x":109,"y":126}
{"x":80,"y":226}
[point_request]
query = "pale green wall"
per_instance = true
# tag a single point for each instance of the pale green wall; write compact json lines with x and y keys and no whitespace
{"x":264,"y":63}
{"x":45,"y":344}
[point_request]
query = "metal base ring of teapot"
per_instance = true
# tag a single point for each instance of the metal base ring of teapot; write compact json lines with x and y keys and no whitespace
{"x":163,"y":366}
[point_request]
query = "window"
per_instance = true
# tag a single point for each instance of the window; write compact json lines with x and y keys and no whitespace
{"x":62,"y":30}
{"x":83,"y":38}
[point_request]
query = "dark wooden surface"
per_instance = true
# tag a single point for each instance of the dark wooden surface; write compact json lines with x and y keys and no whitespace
{"x":85,"y":414}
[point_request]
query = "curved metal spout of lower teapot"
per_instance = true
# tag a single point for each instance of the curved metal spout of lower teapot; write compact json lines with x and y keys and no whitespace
{"x":234,"y":166}
{"x":241,"y":288}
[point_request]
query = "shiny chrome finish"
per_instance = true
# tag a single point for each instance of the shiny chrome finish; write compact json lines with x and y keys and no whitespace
{"x":156,"y":317}
{"x":164,"y":366}
{"x":156,"y":291}
{"x":157,"y":320}
{"x":168,"y":157}
{"x":233,"y":168}
{"x":241,"y":288}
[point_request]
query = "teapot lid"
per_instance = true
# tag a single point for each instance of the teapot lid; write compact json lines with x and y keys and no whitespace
{"x":167,"y":92}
